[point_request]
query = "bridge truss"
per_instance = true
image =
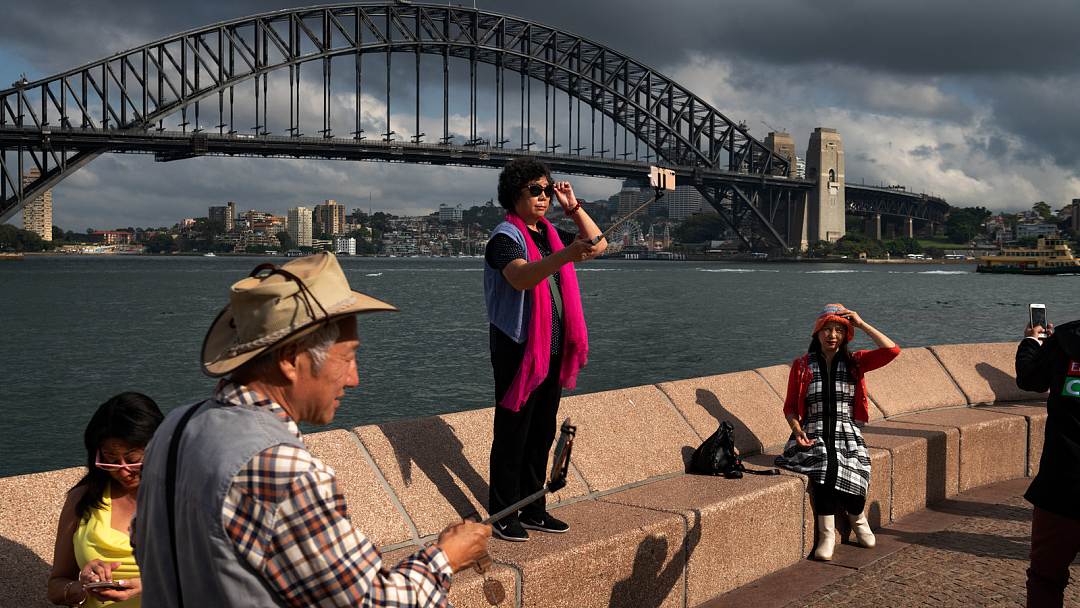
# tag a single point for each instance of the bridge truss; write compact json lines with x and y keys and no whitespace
{"x":249,"y":86}
{"x":895,"y":201}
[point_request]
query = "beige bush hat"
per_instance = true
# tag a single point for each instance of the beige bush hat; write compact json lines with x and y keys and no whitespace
{"x":277,"y":305}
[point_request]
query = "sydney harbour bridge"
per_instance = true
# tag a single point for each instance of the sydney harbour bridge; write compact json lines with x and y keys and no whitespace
{"x":363,"y":82}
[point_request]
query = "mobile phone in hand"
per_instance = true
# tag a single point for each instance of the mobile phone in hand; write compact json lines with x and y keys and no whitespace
{"x":105,"y":585}
{"x":1037,"y":314}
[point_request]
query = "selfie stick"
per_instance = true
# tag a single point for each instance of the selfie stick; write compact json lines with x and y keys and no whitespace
{"x":559,"y":467}
{"x":596,"y":239}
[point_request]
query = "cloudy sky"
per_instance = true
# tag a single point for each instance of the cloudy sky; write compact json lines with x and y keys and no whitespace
{"x":972,"y":100}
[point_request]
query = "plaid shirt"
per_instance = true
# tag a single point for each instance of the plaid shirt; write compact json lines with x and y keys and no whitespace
{"x":288,"y":520}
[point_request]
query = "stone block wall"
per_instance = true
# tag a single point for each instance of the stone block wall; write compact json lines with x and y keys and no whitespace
{"x":943,"y":419}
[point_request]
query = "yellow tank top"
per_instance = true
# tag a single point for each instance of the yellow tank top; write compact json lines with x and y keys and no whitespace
{"x":96,"y":539}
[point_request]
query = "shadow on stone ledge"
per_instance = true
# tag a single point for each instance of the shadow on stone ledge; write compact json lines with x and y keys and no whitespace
{"x":651,"y":581}
{"x":432,"y":444}
{"x":995,"y":378}
{"x":25,"y":575}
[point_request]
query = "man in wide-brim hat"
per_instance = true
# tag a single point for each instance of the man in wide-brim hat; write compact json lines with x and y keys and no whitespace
{"x":256,"y":519}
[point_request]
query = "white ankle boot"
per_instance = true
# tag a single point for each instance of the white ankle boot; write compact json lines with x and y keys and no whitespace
{"x":862,"y":531}
{"x":826,"y":537}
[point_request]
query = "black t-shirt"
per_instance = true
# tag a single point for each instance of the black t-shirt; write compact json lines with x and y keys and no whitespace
{"x":502,"y":250}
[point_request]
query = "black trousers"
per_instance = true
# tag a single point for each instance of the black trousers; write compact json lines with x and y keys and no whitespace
{"x":826,"y":497}
{"x":522,"y":439}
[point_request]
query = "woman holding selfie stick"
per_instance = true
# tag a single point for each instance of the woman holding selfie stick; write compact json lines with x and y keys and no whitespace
{"x":93,"y":545}
{"x":537,"y":334}
{"x":826,"y":395}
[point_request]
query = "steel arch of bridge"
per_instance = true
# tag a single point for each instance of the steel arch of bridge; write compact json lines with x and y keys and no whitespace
{"x":58,"y":124}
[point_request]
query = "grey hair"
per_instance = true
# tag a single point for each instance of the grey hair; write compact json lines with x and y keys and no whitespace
{"x":317,"y":344}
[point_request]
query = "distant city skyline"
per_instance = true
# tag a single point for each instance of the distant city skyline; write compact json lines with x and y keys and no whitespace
{"x":971,"y":100}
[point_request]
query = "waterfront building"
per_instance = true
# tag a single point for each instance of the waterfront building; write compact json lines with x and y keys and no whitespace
{"x":322,"y":244}
{"x":252,"y":238}
{"x":451,"y":214}
{"x":330,"y":217}
{"x":37,"y":216}
{"x":254,"y":217}
{"x":800,"y":167}
{"x":1036,"y":230}
{"x":110,"y":237}
{"x":345,"y":244}
{"x":299,"y":226}
{"x":683,"y":202}
{"x":226,"y":214}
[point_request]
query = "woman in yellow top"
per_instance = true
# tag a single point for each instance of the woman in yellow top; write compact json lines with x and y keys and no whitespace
{"x":92,"y":562}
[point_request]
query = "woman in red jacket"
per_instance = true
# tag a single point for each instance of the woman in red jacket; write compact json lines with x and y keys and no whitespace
{"x":826,"y":395}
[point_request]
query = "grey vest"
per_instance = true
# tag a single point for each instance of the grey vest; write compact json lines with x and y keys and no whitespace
{"x":217,"y":443}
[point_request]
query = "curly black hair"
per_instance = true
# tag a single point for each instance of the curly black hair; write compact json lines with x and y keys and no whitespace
{"x":516,"y":175}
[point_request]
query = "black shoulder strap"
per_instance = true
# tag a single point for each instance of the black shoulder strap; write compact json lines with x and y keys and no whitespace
{"x":170,"y":491}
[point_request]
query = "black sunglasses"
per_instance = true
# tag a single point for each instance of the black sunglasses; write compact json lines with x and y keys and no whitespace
{"x":536,"y":189}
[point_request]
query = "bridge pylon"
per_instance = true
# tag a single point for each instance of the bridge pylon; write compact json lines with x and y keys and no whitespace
{"x":825,"y":163}
{"x":784,"y":146}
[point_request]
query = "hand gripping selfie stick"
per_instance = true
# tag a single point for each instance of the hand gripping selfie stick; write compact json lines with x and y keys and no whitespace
{"x":661,"y":179}
{"x":559,"y":467}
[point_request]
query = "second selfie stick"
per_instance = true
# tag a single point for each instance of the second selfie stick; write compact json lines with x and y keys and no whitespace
{"x":661,"y":179}
{"x":558,"y":472}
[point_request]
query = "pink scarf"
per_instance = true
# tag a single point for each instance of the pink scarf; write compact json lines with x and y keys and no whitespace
{"x":534,"y":367}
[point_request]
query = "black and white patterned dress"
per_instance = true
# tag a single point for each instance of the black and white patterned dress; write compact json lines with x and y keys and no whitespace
{"x":838,"y":457}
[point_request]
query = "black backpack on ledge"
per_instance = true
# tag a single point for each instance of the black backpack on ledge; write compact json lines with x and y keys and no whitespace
{"x":717,"y":456}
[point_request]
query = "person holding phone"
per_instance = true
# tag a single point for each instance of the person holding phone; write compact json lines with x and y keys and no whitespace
{"x":92,"y":560}
{"x":1053,"y":364}
{"x":826,"y":396}
{"x":537,"y":334}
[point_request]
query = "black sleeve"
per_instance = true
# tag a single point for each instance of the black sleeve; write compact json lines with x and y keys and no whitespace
{"x":1034,"y":363}
{"x":502,"y":250}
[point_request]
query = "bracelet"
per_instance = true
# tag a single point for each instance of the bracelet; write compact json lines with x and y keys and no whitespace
{"x":570,"y":212}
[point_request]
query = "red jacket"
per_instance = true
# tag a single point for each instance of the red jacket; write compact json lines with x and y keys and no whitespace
{"x":801,"y":376}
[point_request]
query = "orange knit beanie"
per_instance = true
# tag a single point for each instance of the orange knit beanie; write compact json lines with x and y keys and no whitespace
{"x":829,"y":313}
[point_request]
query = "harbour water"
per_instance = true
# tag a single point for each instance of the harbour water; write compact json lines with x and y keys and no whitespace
{"x":79,"y":329}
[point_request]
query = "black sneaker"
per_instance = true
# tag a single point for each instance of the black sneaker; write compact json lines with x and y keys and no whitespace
{"x":545,"y":523}
{"x":510,"y":529}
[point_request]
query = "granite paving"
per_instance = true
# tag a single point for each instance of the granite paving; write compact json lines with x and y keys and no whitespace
{"x":968,"y":551}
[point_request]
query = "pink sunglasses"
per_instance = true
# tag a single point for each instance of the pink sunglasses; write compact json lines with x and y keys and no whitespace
{"x":106,"y":466}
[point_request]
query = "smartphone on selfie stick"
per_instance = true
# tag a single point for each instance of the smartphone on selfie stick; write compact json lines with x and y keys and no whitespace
{"x":1037,"y":315}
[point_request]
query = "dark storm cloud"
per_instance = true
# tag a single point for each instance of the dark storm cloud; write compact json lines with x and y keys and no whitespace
{"x":915,"y":37}
{"x":922,"y":152}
